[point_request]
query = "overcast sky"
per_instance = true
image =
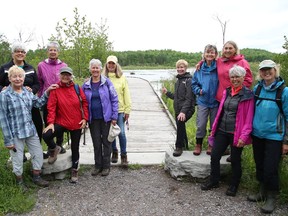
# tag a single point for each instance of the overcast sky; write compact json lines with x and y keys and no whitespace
{"x":181,"y":25}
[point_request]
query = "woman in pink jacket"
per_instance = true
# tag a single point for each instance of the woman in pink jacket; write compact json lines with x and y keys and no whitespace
{"x":232,"y":126}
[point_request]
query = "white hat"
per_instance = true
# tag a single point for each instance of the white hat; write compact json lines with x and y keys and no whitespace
{"x":114,"y":131}
{"x":267,"y":64}
{"x":112,"y":58}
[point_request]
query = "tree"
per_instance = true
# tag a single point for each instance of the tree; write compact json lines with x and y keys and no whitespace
{"x":4,"y":50}
{"x":223,"y":27}
{"x":80,"y":42}
{"x":282,"y":59}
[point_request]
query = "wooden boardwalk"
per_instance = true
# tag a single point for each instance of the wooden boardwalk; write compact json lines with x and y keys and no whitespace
{"x":151,"y":132}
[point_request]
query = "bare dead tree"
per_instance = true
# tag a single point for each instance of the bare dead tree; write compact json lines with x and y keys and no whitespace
{"x":223,"y":27}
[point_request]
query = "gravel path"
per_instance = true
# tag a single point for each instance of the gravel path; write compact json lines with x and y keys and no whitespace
{"x":146,"y":191}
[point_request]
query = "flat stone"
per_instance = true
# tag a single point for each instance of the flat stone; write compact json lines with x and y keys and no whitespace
{"x":190,"y":165}
{"x":63,"y":162}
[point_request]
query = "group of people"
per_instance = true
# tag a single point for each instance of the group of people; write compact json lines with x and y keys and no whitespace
{"x":220,"y":87}
{"x":102,"y":100}
{"x":238,"y":116}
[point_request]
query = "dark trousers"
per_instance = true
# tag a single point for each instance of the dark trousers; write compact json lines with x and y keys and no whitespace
{"x":59,"y":138}
{"x":99,"y":131}
{"x":222,"y":141}
{"x":75,"y":135}
{"x":38,"y":122}
{"x":181,"y":138}
{"x":267,"y":156}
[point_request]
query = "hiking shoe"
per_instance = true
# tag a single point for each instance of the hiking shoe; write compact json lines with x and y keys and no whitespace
{"x":39,"y":181}
{"x":177,"y":152}
{"x":63,"y":150}
{"x":209,"y":150}
{"x":45,"y":155}
{"x":24,"y":158}
{"x":232,"y":190}
{"x":74,"y":176}
{"x":53,"y":154}
{"x":197,"y":150}
{"x":105,"y":172}
{"x":124,"y":162}
{"x":96,"y":171}
{"x":209,"y":185}
{"x":21,"y":184}
{"x":114,"y":156}
{"x":228,"y":159}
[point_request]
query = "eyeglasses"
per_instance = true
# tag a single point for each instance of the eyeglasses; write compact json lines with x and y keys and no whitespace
{"x":20,"y":51}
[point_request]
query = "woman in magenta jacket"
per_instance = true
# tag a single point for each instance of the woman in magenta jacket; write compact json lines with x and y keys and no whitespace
{"x":232,"y":126}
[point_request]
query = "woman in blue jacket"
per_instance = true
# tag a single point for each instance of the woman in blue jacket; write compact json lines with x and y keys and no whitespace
{"x":103,"y":111}
{"x":205,"y":85}
{"x":268,"y":135}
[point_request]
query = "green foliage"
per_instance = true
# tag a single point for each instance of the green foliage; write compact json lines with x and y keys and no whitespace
{"x":257,"y":55}
{"x":135,"y":166}
{"x":282,"y":59}
{"x":12,"y":198}
{"x":81,"y":41}
{"x":4,"y":49}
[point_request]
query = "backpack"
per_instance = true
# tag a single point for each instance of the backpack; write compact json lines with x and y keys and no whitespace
{"x":278,"y":97}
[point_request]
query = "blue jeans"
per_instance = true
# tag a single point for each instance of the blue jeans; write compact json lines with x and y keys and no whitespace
{"x":122,"y":136}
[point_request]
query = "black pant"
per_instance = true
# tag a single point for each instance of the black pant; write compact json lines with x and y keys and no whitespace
{"x":267,"y":156}
{"x":75,"y":135}
{"x":99,"y":131}
{"x":59,"y":138}
{"x":38,"y":122}
{"x":222,"y":140}
{"x":181,"y":138}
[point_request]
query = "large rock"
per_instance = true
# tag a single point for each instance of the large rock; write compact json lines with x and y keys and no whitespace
{"x":190,"y":165}
{"x":60,"y":167}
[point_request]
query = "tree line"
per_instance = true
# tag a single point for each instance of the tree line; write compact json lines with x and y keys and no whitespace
{"x":80,"y":41}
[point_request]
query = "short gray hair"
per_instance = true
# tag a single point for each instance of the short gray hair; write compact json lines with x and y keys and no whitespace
{"x":95,"y":62}
{"x":18,"y":46}
{"x":53,"y":44}
{"x":237,"y":70}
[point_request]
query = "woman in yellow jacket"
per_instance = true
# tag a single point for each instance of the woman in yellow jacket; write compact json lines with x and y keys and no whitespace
{"x":113,"y":70}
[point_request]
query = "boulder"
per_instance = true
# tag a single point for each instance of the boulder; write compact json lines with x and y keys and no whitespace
{"x":60,"y":167}
{"x":190,"y":165}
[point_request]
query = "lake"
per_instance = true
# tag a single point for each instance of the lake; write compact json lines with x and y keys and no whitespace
{"x":153,"y":76}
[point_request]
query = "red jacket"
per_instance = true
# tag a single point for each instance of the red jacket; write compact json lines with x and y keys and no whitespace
{"x":223,"y":67}
{"x":64,"y":107}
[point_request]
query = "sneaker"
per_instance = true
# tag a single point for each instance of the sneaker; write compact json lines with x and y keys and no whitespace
{"x":105,"y":172}
{"x":74,"y":176}
{"x":209,"y":150}
{"x":124,"y":162}
{"x":114,"y":156}
{"x":209,"y":185}
{"x":96,"y":171}
{"x":177,"y":152}
{"x":197,"y":150}
{"x":39,"y":181}
{"x":232,"y":190}
{"x":53,"y":154}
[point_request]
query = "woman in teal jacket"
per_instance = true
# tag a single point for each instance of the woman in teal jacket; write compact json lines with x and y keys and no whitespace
{"x":268,"y":134}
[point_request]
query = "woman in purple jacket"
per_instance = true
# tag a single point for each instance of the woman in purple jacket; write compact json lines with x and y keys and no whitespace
{"x":103,"y":111}
{"x":232,"y":126}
